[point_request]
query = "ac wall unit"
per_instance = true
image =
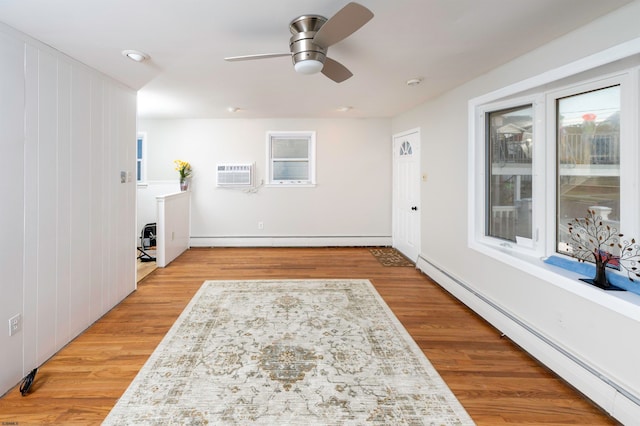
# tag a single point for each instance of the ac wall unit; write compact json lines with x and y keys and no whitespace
{"x":234,"y":174}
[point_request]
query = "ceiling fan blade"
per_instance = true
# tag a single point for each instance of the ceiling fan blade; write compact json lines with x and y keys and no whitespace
{"x":259,"y":56}
{"x":341,"y":25}
{"x":335,"y":70}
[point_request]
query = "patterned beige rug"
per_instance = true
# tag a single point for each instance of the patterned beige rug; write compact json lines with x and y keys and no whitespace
{"x":388,"y":256}
{"x":310,"y":352}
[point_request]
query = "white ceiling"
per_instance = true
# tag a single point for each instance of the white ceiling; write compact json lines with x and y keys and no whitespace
{"x":443,"y":42}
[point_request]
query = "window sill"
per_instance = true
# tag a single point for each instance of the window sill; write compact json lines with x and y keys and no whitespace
{"x":290,"y":185}
{"x":623,"y":302}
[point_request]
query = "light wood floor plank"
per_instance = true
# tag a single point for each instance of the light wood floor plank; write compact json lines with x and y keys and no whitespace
{"x":496,"y":382}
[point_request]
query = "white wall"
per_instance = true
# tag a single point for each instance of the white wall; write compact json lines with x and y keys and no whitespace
{"x":147,"y":205}
{"x":351,"y":203}
{"x":66,"y":222}
{"x":598,"y":336}
{"x":173,"y":226}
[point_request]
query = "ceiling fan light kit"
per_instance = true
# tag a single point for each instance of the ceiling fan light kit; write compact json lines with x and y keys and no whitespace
{"x":308,"y":66}
{"x":311,"y":37}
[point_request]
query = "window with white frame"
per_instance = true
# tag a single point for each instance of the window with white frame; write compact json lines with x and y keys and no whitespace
{"x":547,"y":154}
{"x":508,"y":158}
{"x":588,"y":157}
{"x":141,"y":154}
{"x":291,"y":158}
{"x":509,"y":172}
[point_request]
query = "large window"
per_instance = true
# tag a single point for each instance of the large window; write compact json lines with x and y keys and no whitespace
{"x":547,"y":154}
{"x":291,"y":158}
{"x":588,"y":158}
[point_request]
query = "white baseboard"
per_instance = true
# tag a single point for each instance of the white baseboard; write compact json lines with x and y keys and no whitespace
{"x":603,"y":391}
{"x":289,"y":241}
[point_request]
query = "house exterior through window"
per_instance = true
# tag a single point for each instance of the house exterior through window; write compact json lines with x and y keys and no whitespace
{"x":546,"y":155}
{"x":510,"y":145}
{"x":588,"y":158}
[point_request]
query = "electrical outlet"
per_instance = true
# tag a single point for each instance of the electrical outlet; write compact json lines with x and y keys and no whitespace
{"x":15,"y":324}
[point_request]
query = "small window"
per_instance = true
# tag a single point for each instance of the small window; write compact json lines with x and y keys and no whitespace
{"x":141,"y":151}
{"x":291,"y":158}
{"x":406,"y":149}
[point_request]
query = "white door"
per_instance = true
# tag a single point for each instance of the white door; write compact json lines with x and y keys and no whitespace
{"x":406,"y":193}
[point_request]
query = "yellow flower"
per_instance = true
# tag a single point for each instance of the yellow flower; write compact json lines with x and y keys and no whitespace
{"x":184,"y":168}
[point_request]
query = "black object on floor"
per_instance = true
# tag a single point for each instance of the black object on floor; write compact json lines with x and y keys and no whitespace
{"x":147,"y":240}
{"x":26,"y":383}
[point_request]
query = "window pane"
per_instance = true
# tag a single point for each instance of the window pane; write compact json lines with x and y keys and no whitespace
{"x":510,"y":148}
{"x":139,"y":149}
{"x":588,"y":158}
{"x":406,"y":149}
{"x":290,"y":170}
{"x":290,"y":148}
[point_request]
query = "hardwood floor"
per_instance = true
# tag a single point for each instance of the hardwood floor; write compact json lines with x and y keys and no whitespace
{"x":495,"y":381}
{"x":144,"y":268}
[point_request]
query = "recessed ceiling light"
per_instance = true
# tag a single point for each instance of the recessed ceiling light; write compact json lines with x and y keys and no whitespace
{"x":135,"y":55}
{"x":414,"y":82}
{"x":233,"y":109}
{"x":345,"y":108}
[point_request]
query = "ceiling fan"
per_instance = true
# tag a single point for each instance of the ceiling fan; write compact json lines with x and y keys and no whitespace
{"x":312,"y":36}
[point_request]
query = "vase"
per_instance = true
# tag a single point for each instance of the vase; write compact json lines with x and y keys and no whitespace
{"x":184,"y":184}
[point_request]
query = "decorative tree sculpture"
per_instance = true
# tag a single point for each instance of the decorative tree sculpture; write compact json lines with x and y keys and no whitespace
{"x":591,"y":238}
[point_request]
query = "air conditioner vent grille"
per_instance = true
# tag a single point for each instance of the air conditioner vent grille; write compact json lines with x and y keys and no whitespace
{"x":234,"y":174}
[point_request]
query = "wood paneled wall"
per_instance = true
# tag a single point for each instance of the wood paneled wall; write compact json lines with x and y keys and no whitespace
{"x":67,"y":228}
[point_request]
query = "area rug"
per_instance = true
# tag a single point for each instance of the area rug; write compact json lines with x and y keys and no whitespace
{"x":388,"y":256}
{"x":307,"y":352}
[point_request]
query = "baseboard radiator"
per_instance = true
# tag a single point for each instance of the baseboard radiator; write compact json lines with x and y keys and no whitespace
{"x":611,"y":396}
{"x":290,"y":241}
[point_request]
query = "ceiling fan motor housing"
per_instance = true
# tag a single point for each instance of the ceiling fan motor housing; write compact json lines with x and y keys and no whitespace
{"x":301,"y":43}
{"x":303,"y":48}
{"x":311,"y":36}
{"x":305,"y":23}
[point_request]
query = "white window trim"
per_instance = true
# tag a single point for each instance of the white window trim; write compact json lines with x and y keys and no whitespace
{"x":311,"y":182}
{"x":628,"y":151}
{"x":479,"y":184}
{"x":625,"y":303}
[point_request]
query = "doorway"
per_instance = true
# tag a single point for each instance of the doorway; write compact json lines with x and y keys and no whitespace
{"x":406,"y":193}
